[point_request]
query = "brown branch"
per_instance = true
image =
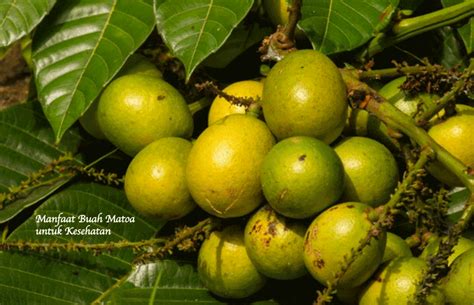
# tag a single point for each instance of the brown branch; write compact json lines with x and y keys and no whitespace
{"x":234,"y":100}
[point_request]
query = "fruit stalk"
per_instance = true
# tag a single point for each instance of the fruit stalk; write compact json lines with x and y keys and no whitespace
{"x":396,"y":71}
{"x":425,"y":116}
{"x":411,"y":27}
{"x":199,"y":105}
{"x":397,"y":120}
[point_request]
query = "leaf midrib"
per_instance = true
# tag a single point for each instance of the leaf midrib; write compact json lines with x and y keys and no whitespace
{"x":191,"y":60}
{"x":74,"y":91}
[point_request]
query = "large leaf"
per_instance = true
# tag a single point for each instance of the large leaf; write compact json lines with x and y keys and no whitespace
{"x":168,"y":282}
{"x":242,"y":38}
{"x":80,"y":47}
{"x":72,"y":277}
{"x":27,"y":145}
{"x":451,"y":52}
{"x":341,"y":25}
{"x":466,"y":31}
{"x":20,"y":17}
{"x":194,"y":29}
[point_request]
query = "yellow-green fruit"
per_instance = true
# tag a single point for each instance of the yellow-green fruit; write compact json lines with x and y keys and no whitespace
{"x":275,"y":244}
{"x":458,"y":286}
{"x":223,"y":171}
{"x":224,"y":266}
{"x":396,"y":284}
{"x":139,"y":64}
{"x":278,"y":13}
{"x":155,"y":182}
{"x":304,"y":95}
{"x":136,"y":64}
{"x":396,"y":247}
{"x":456,"y":135}
{"x":332,"y":236}
{"x":462,"y":246}
{"x":302,"y":176}
{"x":409,"y":105}
{"x":89,"y":121}
{"x":221,"y":107}
{"x":371,"y":172}
{"x":134,"y":110}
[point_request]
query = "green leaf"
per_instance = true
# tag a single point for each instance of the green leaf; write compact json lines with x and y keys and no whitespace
{"x":466,"y":31}
{"x":451,"y":52}
{"x":467,"y":35}
{"x":169,"y":282}
{"x":19,"y":17}
{"x":458,"y":198}
{"x":242,"y":38}
{"x":72,"y":277}
{"x":194,"y":29}
{"x":79,"y":48}
{"x":27,"y":145}
{"x":339,"y":25}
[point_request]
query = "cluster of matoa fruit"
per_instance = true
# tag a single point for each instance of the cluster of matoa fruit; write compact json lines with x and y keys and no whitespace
{"x":235,"y":165}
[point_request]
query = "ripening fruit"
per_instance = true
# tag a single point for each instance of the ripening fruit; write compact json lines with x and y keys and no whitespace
{"x":456,"y":135}
{"x":275,"y":244}
{"x":134,"y":110}
{"x":155,"y":182}
{"x":136,"y":64}
{"x":371,"y":172}
{"x":223,"y":171}
{"x":302,"y":176}
{"x":458,"y":285}
{"x":396,"y":284}
{"x":396,"y":247}
{"x":332,"y":235}
{"x":224,"y":266}
{"x":304,"y":95}
{"x":221,"y":107}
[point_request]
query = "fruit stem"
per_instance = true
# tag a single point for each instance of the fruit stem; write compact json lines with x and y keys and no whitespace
{"x":199,"y":105}
{"x":423,"y":117}
{"x":394,"y":118}
{"x":396,"y":71}
{"x":411,"y":27}
{"x":293,"y":18}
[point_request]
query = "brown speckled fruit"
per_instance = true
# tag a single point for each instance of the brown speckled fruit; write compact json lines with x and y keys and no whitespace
{"x":275,"y":244}
{"x":332,"y":235}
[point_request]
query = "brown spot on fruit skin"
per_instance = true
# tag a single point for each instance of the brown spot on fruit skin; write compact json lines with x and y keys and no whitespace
{"x":319,"y":263}
{"x":272,"y":228}
{"x":160,"y":97}
{"x":379,"y":279}
{"x":350,"y":206}
{"x":302,"y":158}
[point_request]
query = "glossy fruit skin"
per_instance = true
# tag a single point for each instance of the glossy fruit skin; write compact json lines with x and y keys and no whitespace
{"x":396,"y":283}
{"x":463,"y":245}
{"x":275,"y":244}
{"x":221,"y":107}
{"x":302,"y":176}
{"x":332,"y":235}
{"x":155,"y":182}
{"x":134,"y":110}
{"x":136,"y":64}
{"x":371,"y":172}
{"x":456,"y":135}
{"x":458,"y":284}
{"x":223,"y":171}
{"x":395,"y":247}
{"x":304,"y":95}
{"x":224,"y":266}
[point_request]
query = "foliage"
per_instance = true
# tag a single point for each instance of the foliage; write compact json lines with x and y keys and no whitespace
{"x":79,"y":46}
